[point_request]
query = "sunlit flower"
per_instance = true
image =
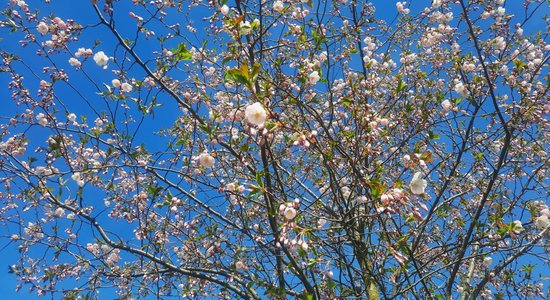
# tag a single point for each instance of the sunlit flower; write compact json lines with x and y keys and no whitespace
{"x":115,"y":82}
{"x":74,"y":62}
{"x":42,"y":28}
{"x":542,"y":222}
{"x":206,"y":160}
{"x":59,"y":212}
{"x":42,"y":119}
{"x":239,"y":265}
{"x":500,"y":43}
{"x":289,"y":213}
{"x":418,"y":185}
{"x":401,"y":8}
{"x":71,"y":117}
{"x":487,"y":261}
{"x":446,"y":105}
{"x":517,"y":228}
{"x":519,"y":30}
{"x":278,"y":6}
{"x":398,"y":193}
{"x":245,"y":27}
{"x":126,"y":87}
{"x":98,"y":122}
{"x":518,"y":225}
{"x":101,"y":59}
{"x":313,"y":77}
{"x":255,"y":114}
{"x":224,"y":9}
{"x":460,"y":88}
{"x":76,"y":177}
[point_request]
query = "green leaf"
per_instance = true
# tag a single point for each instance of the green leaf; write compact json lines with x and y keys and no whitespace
{"x":400,"y":86}
{"x":346,"y":101}
{"x":206,"y":129}
{"x":242,"y":74}
{"x":255,"y":71}
{"x":182,"y":53}
{"x":238,"y":76}
{"x":432,"y":135}
{"x":373,"y":292}
{"x":181,"y":142}
{"x":259,"y":179}
{"x":226,"y":60}
{"x":307,"y":296}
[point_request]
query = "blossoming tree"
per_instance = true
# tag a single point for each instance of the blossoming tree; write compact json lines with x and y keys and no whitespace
{"x":276,"y":149}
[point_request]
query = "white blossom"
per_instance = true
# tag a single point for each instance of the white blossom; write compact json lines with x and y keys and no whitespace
{"x":517,"y":224}
{"x":42,"y":28}
{"x":59,"y":212}
{"x":206,"y":160}
{"x":101,"y":59}
{"x":74,"y":62}
{"x":362,"y":199}
{"x":446,"y":105}
{"x":278,"y":6}
{"x":224,"y":9}
{"x":418,"y":185}
{"x":98,"y":122}
{"x":245,"y":27}
{"x":542,"y":222}
{"x":76,"y":177}
{"x":313,"y":77}
{"x":126,"y":87}
{"x":289,"y":213}
{"x":500,"y":43}
{"x":239,"y":265}
{"x":460,"y":88}
{"x":255,"y":114}
{"x":71,"y":117}
{"x":115,"y":82}
{"x":42,"y":119}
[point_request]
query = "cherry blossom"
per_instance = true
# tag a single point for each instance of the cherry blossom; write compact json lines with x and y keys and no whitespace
{"x":115,"y":83}
{"x":253,"y":149}
{"x":42,"y":28}
{"x":256,"y":114}
{"x":542,"y":222}
{"x":125,"y":87}
{"x":74,"y":62}
{"x":418,"y":185}
{"x":101,"y":59}
{"x":245,"y":27}
{"x":446,"y":105}
{"x":206,"y":160}
{"x":289,"y":213}
{"x":313,"y":77}
{"x":224,"y":9}
{"x":278,"y":6}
